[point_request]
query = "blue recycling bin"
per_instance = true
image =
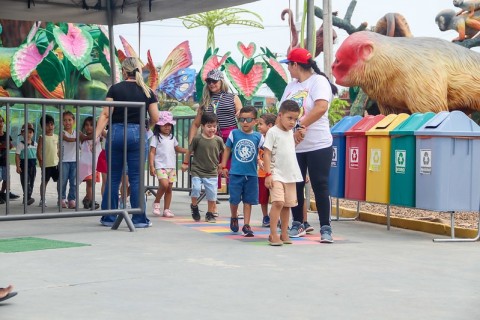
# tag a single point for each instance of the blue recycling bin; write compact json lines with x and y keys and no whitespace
{"x":336,"y":180}
{"x":447,"y":171}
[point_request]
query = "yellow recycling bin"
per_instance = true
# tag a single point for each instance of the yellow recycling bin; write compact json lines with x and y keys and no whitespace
{"x":378,"y":158}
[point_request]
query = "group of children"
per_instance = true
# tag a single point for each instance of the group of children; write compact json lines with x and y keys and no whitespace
{"x":46,"y":150}
{"x":263,"y":165}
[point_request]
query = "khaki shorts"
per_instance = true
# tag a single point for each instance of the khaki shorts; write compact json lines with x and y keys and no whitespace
{"x":284,"y":192}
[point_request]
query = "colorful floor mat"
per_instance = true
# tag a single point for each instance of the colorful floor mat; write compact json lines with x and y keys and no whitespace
{"x":222,"y":228}
{"x":32,"y":244}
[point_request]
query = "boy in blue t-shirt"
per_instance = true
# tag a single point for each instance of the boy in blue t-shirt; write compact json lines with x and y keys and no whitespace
{"x":243,"y":145}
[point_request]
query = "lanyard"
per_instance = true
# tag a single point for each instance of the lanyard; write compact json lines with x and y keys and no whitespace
{"x":216,"y":105}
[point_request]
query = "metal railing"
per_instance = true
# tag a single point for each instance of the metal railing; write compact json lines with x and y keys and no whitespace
{"x":24,"y":103}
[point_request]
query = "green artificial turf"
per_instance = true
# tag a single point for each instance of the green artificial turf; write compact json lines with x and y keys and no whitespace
{"x":33,"y":244}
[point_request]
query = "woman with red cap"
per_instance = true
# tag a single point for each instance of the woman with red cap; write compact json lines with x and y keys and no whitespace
{"x":313,"y":92}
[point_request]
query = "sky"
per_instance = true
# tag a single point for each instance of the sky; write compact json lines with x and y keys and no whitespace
{"x":162,"y":36}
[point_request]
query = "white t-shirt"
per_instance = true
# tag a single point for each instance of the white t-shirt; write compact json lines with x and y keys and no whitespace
{"x":165,"y":156}
{"x":283,"y":165}
{"x":69,"y":148}
{"x":305,"y":93}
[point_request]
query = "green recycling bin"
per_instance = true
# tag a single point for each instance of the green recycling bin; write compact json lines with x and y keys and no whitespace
{"x":402,"y":159}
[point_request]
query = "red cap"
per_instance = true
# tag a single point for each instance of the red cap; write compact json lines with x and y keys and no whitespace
{"x":299,"y":55}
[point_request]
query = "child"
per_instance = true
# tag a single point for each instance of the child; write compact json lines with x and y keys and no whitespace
{"x":281,"y":170}
{"x":69,"y":161}
{"x":50,"y":143}
{"x":266,"y":121}
{"x":206,"y":148}
{"x":85,"y":166}
{"x":4,"y":148}
{"x":243,"y":145}
{"x":30,"y":164}
{"x":163,"y":161}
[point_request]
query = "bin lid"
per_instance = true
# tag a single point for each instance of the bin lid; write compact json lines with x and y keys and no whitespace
{"x":455,"y":123}
{"x":343,"y":125}
{"x":364,"y":125}
{"x":413,"y":123}
{"x":387,"y":124}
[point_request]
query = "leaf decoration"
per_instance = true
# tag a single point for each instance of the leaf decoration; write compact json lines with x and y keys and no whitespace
{"x":277,"y":66}
{"x":3,"y":92}
{"x":247,"y":66}
{"x":105,"y":61}
{"x":212,"y":63}
{"x":25,"y":60}
{"x":38,"y":84}
{"x":179,"y":58}
{"x":51,"y":71}
{"x":247,"y":84}
{"x":33,"y":31}
{"x":179,"y":85}
{"x":76,"y":44}
{"x":247,"y":52}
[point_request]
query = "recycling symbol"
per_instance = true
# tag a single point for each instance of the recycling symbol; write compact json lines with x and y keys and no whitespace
{"x":354,"y":155}
{"x":376,"y":158}
{"x":401,"y":159}
{"x":426,"y":158}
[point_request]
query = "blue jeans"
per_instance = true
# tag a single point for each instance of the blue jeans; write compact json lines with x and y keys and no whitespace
{"x":133,"y":162}
{"x":69,"y":175}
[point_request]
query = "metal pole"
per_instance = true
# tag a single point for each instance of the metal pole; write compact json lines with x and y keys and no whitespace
{"x":327,"y":38}
{"x":310,"y":26}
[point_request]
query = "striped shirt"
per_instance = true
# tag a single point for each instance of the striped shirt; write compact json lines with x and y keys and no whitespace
{"x":224,"y":106}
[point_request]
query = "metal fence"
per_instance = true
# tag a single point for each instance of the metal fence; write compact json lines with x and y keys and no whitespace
{"x":12,"y":105}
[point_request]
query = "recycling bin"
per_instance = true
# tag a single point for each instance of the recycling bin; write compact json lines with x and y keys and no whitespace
{"x":402,"y":159}
{"x":378,"y":158}
{"x":336,"y":180}
{"x":447,"y":170}
{"x":356,"y":157}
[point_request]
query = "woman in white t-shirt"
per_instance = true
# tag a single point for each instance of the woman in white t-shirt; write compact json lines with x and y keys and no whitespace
{"x":312,"y":90}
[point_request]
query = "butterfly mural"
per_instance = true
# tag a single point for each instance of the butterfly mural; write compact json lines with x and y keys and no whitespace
{"x":174,"y":79}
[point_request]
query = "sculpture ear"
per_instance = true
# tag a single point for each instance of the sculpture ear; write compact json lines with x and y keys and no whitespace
{"x":365,"y":51}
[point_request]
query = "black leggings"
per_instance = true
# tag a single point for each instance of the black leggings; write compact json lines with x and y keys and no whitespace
{"x":318,"y":163}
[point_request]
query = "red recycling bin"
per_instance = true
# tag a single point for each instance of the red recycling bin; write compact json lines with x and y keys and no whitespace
{"x":356,"y":157}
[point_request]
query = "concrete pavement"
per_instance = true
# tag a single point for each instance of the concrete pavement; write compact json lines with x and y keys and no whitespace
{"x":175,"y":270}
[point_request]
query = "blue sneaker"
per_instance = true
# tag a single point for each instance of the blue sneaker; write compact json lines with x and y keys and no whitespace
{"x":326,"y":234}
{"x":266,"y":222}
{"x":143,"y":225}
{"x":308,"y":228}
{"x":297,"y":230}
{"x":247,"y":231}
{"x":234,"y":224}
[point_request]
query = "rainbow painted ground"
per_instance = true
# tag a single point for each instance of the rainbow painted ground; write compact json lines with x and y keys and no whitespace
{"x":222,"y":228}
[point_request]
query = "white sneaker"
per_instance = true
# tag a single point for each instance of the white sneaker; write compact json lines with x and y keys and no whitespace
{"x":156,"y":209}
{"x":240,"y":215}
{"x":168,"y":214}
{"x":42,"y":203}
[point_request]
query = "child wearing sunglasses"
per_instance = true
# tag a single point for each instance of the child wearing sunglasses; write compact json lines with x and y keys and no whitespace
{"x":243,"y":145}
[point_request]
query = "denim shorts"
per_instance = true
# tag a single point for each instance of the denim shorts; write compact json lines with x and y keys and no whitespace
{"x":210,"y":185}
{"x":243,"y":188}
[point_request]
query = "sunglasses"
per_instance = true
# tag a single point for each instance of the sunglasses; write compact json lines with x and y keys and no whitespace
{"x":248,"y":120}
{"x":210,"y":81}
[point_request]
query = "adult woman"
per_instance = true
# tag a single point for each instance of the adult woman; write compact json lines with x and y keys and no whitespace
{"x":312,"y":90}
{"x":131,"y":89}
{"x":217,"y":99}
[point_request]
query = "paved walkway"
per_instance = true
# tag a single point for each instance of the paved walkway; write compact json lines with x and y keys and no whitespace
{"x":179,"y":269}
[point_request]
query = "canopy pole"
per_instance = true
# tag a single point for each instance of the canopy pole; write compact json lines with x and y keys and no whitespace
{"x":327,"y":38}
{"x":113,"y":67}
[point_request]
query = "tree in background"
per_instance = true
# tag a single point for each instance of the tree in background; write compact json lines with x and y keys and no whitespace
{"x":215,"y":18}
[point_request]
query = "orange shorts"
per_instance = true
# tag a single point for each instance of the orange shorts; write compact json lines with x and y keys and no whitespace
{"x":284,"y":192}
{"x":97,"y":177}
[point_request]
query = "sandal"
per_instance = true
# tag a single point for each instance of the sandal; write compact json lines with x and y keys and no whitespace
{"x":274,"y":244}
{"x":288,"y":241}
